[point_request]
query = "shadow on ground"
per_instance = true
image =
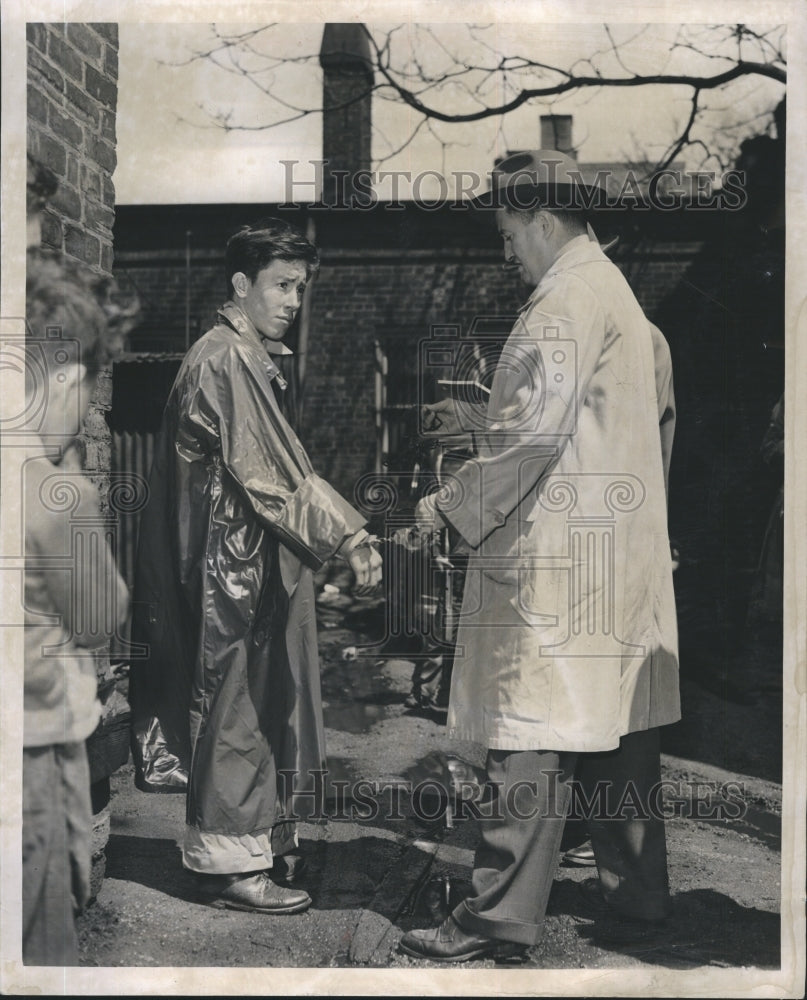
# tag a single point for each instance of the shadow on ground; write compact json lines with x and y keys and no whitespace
{"x":736,"y":935}
{"x":339,"y":875}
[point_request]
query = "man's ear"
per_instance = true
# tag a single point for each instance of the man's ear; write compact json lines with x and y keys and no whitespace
{"x":240,"y":283}
{"x":547,"y":223}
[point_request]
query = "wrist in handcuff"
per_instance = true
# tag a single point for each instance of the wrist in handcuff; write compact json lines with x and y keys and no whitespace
{"x":366,"y":540}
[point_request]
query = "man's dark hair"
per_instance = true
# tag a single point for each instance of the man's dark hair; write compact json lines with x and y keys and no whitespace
{"x":60,"y":305}
{"x":254,"y":247}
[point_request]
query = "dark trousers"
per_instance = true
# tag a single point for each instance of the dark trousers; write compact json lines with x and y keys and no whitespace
{"x":56,"y":820}
{"x":518,"y":854}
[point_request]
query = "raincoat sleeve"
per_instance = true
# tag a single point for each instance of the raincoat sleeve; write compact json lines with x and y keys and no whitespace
{"x":230,"y":407}
{"x":530,"y":422}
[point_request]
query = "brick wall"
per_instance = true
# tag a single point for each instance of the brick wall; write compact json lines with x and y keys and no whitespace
{"x":346,"y":97}
{"x":354,"y":303}
{"x":161,"y":284}
{"x":72,"y":100}
{"x":346,"y":129}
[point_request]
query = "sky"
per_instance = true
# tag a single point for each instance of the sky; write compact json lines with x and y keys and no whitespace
{"x":169,"y":150}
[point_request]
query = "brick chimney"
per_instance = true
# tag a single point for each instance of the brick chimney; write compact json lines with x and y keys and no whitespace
{"x":347,"y":106}
{"x":556,"y":133}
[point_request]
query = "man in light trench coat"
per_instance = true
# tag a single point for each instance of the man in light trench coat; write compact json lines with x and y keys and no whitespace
{"x":566,"y":655}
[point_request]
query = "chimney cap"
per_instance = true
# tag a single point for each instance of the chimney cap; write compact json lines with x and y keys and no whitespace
{"x":556,"y":133}
{"x":347,"y":46}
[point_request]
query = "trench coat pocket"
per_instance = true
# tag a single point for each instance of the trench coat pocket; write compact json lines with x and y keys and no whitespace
{"x":503,"y":554}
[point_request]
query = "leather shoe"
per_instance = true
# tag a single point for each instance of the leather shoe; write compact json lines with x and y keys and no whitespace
{"x":594,"y":903}
{"x":254,"y":892}
{"x":450,"y":943}
{"x":597,"y":905}
{"x":287,"y":867}
{"x":582,"y":855}
{"x":611,"y":926}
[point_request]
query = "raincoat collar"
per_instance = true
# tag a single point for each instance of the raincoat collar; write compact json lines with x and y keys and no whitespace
{"x":236,"y":318}
{"x":579,"y":249}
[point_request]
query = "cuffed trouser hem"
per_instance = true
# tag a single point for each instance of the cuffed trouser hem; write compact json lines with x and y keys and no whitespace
{"x":497,"y":928}
{"x":517,"y":856}
{"x":226,"y":854}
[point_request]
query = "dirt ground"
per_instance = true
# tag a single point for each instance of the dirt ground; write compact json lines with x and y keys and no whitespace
{"x":372,"y":879}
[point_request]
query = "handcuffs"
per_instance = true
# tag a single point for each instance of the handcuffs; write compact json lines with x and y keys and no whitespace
{"x":368,"y":542}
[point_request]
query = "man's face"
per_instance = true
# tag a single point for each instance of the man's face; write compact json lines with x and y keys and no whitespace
{"x":524,"y":244}
{"x":271,"y":301}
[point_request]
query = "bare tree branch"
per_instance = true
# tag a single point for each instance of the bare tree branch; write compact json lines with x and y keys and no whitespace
{"x":698,"y":83}
{"x":465,"y":79}
{"x":683,"y":138}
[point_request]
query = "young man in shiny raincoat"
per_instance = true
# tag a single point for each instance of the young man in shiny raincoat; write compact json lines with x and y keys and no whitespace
{"x":227,"y":703}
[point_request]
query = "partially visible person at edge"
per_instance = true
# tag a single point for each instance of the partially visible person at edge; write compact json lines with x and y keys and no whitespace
{"x":767,"y":595}
{"x":567,"y":646}
{"x":74,"y":602}
{"x":228,"y":702}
